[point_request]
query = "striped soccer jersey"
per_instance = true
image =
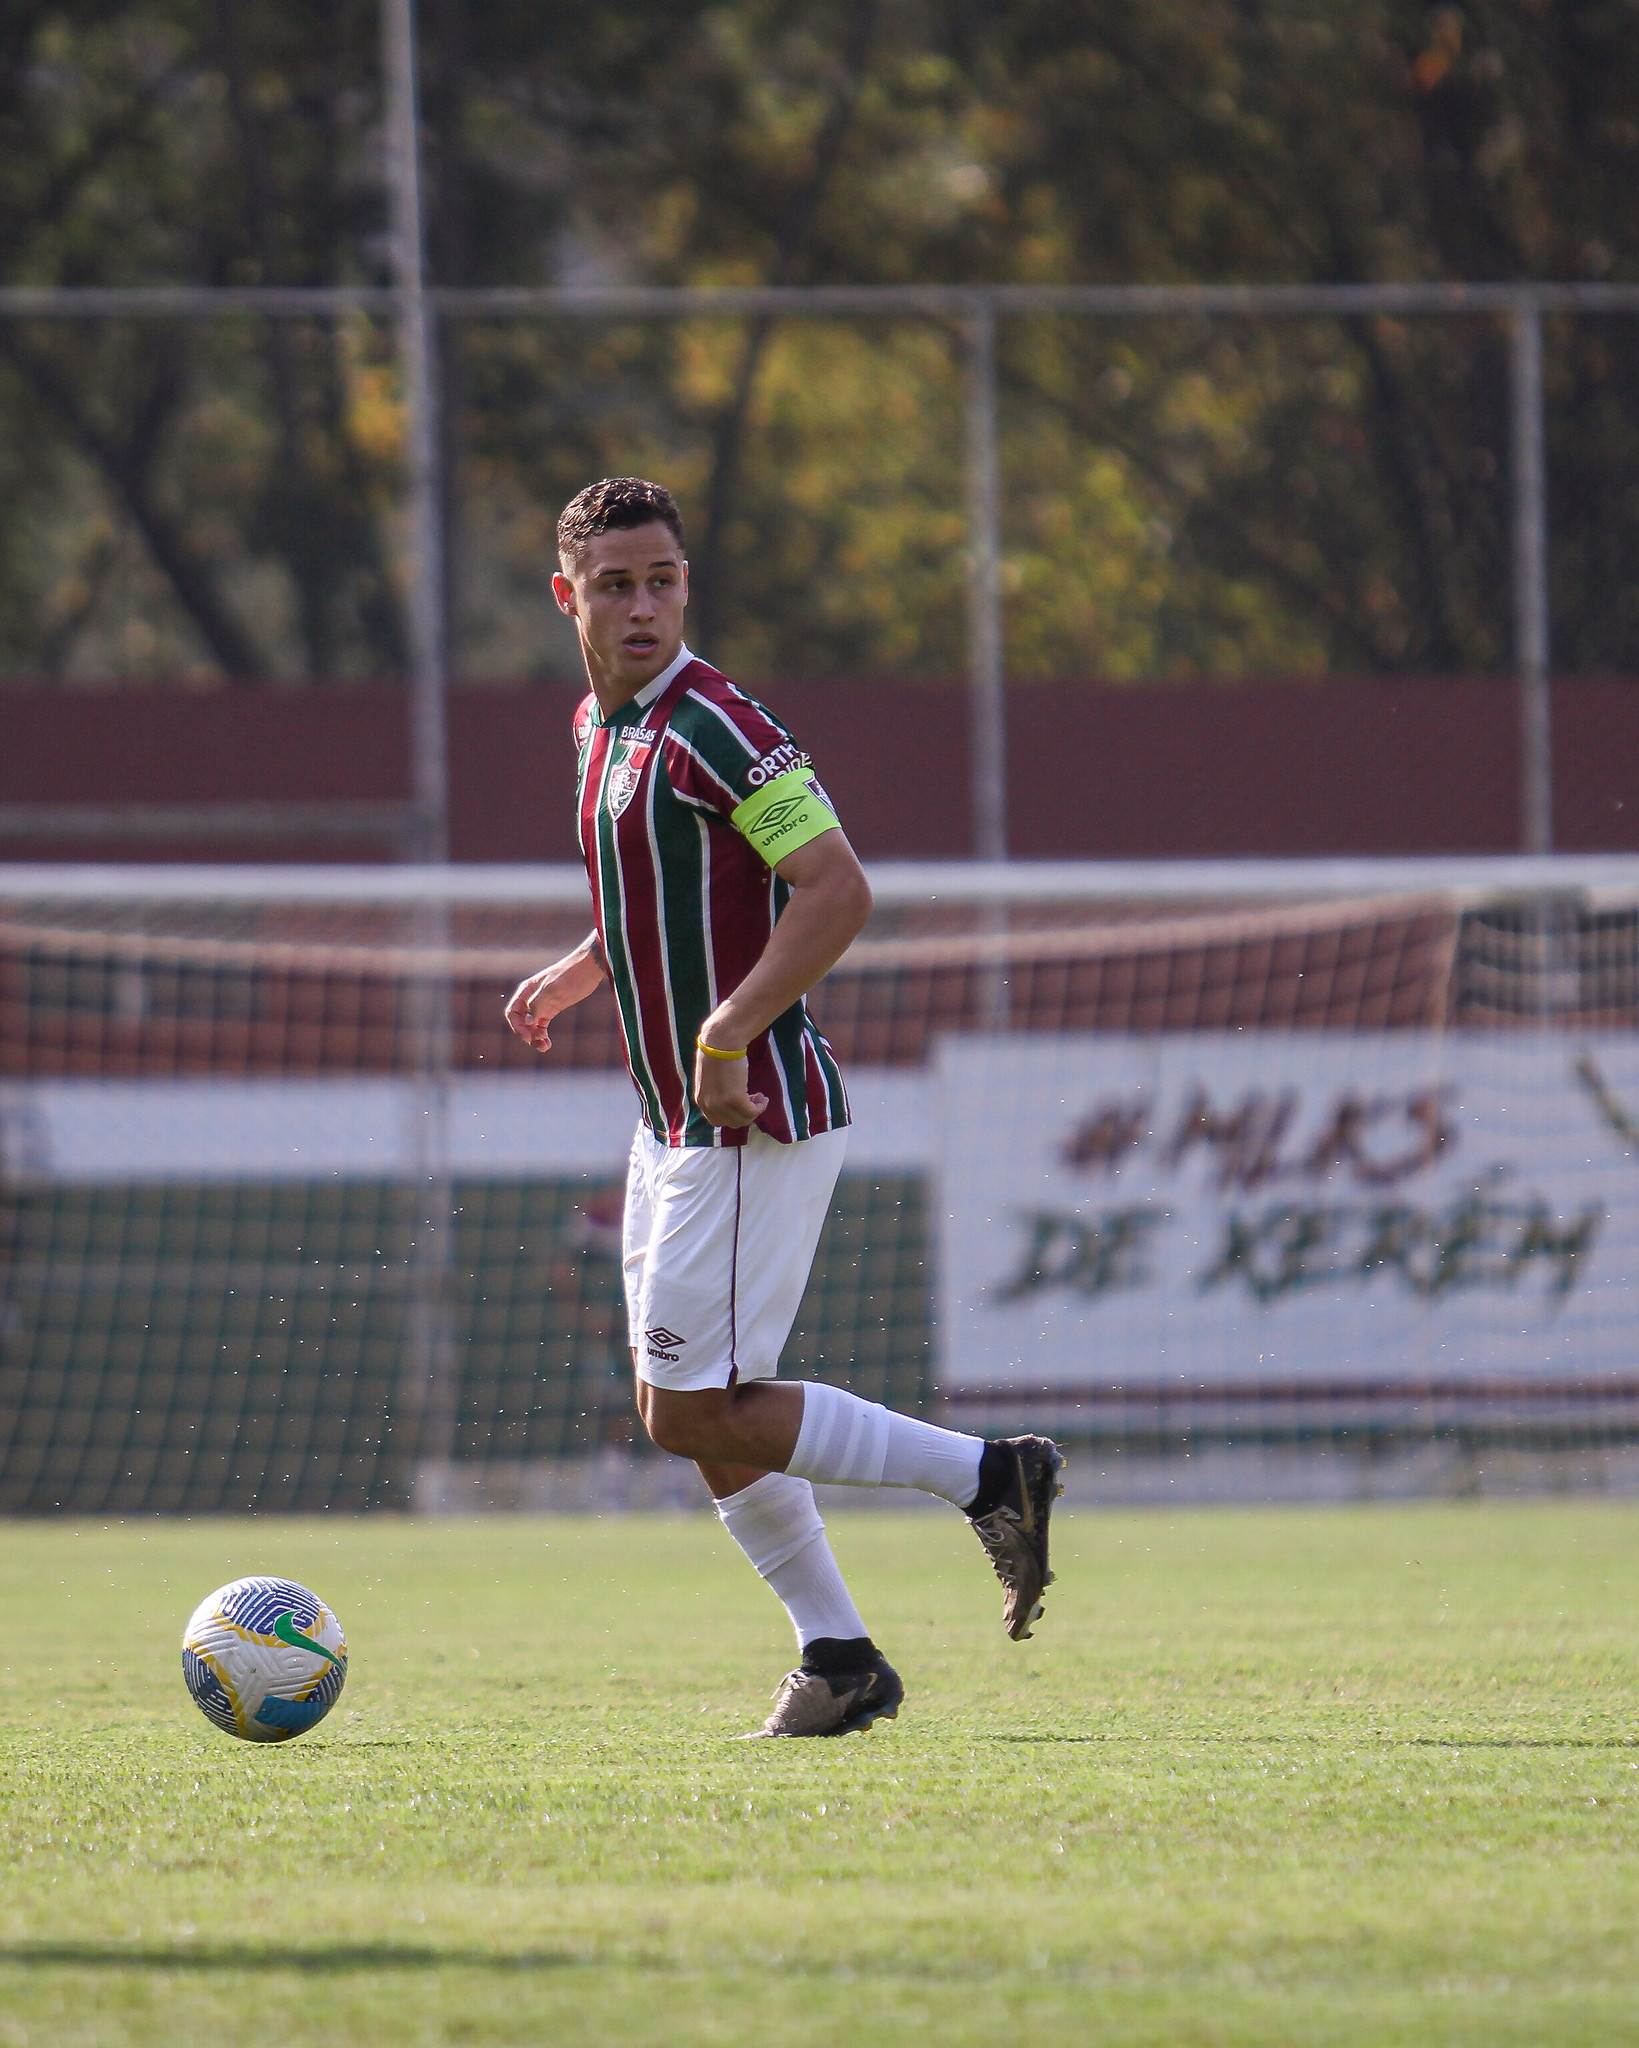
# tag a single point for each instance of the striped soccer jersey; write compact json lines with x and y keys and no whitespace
{"x":677,"y":792}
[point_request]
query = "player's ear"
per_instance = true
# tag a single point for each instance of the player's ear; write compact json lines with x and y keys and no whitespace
{"x":685,"y":579}
{"x":564,"y":591}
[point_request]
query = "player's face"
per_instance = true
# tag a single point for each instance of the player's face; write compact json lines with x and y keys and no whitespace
{"x":626,"y":595}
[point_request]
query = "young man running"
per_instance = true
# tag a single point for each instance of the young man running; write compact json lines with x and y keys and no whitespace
{"x":723,"y":889}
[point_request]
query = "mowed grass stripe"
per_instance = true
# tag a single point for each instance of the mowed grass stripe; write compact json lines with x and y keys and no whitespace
{"x":1354,"y":1776}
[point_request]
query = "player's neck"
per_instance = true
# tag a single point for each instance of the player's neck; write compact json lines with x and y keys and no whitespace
{"x":614,"y":688}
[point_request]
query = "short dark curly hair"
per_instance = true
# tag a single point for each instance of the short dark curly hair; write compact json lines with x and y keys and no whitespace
{"x":614,"y":505}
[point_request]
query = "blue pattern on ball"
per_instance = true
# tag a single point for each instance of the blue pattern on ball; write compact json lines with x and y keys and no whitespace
{"x":329,"y":1687}
{"x":209,"y":1693}
{"x":258,"y":1603}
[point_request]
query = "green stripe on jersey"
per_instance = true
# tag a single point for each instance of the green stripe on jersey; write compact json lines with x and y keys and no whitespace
{"x":725,"y":751}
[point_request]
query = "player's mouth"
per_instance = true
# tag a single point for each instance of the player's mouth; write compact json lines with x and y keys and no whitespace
{"x":640,"y":643}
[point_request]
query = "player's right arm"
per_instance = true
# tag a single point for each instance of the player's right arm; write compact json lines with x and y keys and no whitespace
{"x":539,"y":998}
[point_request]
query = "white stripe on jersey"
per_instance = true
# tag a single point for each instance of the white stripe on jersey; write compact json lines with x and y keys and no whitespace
{"x":701,"y":827}
{"x":700,"y":761}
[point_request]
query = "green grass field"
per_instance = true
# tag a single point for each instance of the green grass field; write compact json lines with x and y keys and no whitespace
{"x":1363,"y":1776}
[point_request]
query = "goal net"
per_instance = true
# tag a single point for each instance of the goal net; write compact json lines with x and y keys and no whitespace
{"x":1247,"y":1178}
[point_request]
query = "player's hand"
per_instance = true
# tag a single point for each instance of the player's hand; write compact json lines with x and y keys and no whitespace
{"x":538,"y":1000}
{"x":722,"y":1091}
{"x":533,"y":1007}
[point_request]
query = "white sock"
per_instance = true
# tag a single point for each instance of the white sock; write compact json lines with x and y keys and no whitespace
{"x":845,"y":1441}
{"x":776,"y":1523}
{"x":941,"y":1461}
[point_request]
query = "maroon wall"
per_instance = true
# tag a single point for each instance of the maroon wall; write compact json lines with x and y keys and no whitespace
{"x":1278,"y":768}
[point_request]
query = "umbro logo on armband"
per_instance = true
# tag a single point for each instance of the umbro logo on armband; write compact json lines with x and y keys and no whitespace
{"x":780,"y":816}
{"x":663,"y":1343}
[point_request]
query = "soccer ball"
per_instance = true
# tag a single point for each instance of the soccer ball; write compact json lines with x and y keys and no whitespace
{"x":264,"y":1659}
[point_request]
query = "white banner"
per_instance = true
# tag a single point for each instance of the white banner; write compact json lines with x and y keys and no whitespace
{"x":1229,"y":1210}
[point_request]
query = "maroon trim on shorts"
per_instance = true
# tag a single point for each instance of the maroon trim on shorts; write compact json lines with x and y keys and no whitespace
{"x":734,"y":1274}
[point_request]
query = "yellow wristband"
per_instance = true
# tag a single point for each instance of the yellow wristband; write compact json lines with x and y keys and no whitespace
{"x":716,"y":1052}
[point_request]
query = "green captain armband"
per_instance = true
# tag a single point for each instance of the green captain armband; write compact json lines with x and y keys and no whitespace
{"x":785,"y":814}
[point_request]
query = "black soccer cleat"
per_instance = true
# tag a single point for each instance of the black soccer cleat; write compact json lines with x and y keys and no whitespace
{"x":808,"y":1703}
{"x":1014,"y":1531}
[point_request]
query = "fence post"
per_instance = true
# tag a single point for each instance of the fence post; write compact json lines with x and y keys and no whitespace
{"x":428,"y":1385}
{"x":418,"y":365}
{"x":1530,"y":509}
{"x":987,"y":701}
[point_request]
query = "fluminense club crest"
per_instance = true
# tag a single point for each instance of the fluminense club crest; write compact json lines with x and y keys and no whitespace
{"x":627,"y":772}
{"x":623,"y":780}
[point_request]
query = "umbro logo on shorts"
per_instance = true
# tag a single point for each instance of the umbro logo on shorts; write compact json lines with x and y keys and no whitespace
{"x":663,"y":1343}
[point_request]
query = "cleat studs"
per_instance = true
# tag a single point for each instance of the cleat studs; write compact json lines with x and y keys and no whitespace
{"x":1051,"y":1576}
{"x":1038,"y":1611}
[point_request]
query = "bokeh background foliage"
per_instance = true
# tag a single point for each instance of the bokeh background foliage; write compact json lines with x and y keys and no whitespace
{"x":219,"y":502}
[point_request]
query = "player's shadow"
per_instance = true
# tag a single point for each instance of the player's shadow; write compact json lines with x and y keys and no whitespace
{"x":327,"y":1961}
{"x":1516,"y":1741}
{"x":1002,"y":1735}
{"x":1389,"y":1741}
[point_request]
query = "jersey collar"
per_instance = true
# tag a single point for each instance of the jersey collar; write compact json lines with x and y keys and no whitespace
{"x":650,"y":692}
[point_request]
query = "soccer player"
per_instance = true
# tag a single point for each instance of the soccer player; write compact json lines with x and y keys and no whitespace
{"x":723,"y":888}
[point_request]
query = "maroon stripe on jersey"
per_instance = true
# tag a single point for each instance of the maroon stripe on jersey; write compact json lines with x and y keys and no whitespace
{"x":592,"y":783}
{"x":635,"y":924}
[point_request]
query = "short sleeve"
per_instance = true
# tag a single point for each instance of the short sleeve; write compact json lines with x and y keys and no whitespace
{"x":723,"y":751}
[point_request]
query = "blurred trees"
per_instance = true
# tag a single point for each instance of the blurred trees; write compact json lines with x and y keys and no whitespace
{"x":218,"y":500}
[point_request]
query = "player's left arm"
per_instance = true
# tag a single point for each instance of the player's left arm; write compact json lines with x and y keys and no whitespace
{"x":539,"y":998}
{"x":829,"y":903}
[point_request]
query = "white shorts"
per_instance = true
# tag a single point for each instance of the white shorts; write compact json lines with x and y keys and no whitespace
{"x":717,"y":1246}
